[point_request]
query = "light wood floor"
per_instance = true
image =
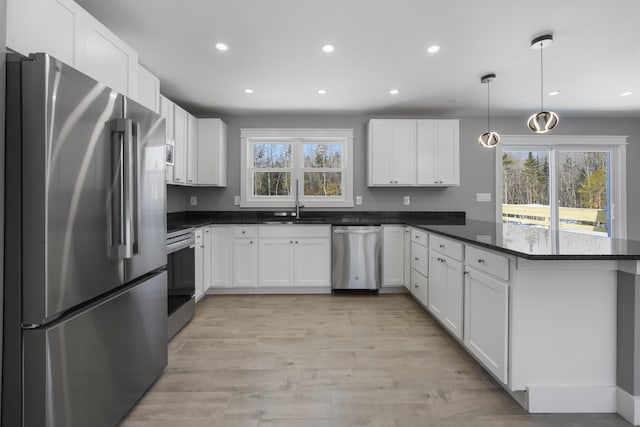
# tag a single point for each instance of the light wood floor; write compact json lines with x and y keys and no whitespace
{"x":327,"y":361}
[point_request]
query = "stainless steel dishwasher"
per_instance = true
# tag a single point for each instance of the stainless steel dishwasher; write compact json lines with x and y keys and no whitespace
{"x":356,"y":257}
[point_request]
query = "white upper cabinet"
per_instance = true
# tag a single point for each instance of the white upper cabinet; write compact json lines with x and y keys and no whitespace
{"x":108,"y":59}
{"x":391,"y":152}
{"x":51,"y":26}
{"x":66,"y":31}
{"x":180,"y":124}
{"x":148,"y":89}
{"x":410,"y":153}
{"x":166,"y":111}
{"x":212,"y":153}
{"x":192,"y":150}
{"x":438,"y":152}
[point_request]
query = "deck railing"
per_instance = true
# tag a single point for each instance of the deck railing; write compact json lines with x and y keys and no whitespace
{"x":571,"y":218}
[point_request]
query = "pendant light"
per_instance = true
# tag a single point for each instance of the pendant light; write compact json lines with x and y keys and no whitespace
{"x":489,"y":139}
{"x":543,"y":121}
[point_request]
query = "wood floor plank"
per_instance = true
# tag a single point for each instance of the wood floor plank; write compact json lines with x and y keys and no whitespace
{"x":322,"y":360}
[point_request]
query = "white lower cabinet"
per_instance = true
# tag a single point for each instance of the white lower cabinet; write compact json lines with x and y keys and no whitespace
{"x":276,"y":262}
{"x":446,"y":291}
{"x":199,"y":263}
{"x":407,"y":258}
{"x":486,"y":321}
{"x":221,"y":256}
{"x":245,"y":262}
{"x":294,"y":256}
{"x":420,"y":287}
{"x":393,"y":258}
{"x":207,"y":260}
{"x":312,"y":262}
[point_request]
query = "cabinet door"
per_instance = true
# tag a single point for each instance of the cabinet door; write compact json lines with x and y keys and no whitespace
{"x":108,"y":59}
{"x":420,"y":287}
{"x":51,"y":26}
{"x":486,"y":321}
{"x":166,"y":111}
{"x":393,"y":259}
{"x":437,"y":285}
{"x":407,"y":258}
{"x":312,"y":262}
{"x":276,"y":262}
{"x":404,"y":152}
{"x":449,"y":152}
{"x":221,"y":250}
{"x":427,"y":152}
{"x":207,"y":260}
{"x":245,"y":263}
{"x":199,"y":263}
{"x":180,"y":135}
{"x":212,"y":152}
{"x":454,"y":296}
{"x":148,"y":89}
{"x":380,"y":146}
{"x":192,"y":150}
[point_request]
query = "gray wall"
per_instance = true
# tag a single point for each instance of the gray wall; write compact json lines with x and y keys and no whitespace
{"x":3,"y":26}
{"x":477,"y":165}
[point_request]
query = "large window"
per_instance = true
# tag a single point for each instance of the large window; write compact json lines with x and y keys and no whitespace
{"x":562,"y":194}
{"x":314,"y":164}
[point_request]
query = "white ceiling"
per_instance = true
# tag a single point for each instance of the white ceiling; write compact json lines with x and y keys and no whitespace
{"x":275,"y":49}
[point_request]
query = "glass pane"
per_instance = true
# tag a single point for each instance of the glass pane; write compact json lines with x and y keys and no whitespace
{"x":272,"y":155}
{"x":583,"y":197}
{"x":271,"y":183}
{"x":322,"y":155}
{"x":525,"y":201}
{"x":323,"y":184}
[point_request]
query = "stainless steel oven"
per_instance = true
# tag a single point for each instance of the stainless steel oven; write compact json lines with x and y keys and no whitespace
{"x":181,"y":282}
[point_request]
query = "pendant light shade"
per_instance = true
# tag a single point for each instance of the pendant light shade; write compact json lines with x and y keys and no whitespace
{"x":489,"y":139}
{"x":542,"y":121}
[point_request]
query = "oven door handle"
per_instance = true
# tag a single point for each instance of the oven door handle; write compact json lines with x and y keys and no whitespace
{"x":182,"y":244}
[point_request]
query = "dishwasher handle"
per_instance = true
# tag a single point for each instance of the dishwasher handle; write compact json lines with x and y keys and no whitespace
{"x":356,"y":231}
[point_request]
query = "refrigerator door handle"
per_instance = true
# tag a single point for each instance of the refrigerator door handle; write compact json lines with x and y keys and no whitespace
{"x":135,"y":217}
{"x":121,"y":166}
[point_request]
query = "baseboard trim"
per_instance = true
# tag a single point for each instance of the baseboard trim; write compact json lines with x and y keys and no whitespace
{"x":628,"y":406}
{"x":268,"y":291}
{"x":393,"y":290}
{"x":572,"y":398}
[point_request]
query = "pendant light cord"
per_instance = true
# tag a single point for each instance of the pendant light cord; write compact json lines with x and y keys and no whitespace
{"x":541,"y":79}
{"x":489,"y":105}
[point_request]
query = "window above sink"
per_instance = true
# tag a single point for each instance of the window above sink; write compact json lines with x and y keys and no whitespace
{"x":320,"y":160}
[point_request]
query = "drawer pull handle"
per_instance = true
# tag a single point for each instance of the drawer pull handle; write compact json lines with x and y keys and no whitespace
{"x":480,"y":261}
{"x":416,"y":258}
{"x":417,"y":237}
{"x":243,"y":231}
{"x":441,"y":246}
{"x":441,"y":260}
{"x":291,"y":242}
{"x":416,"y":286}
{"x":251,"y":242}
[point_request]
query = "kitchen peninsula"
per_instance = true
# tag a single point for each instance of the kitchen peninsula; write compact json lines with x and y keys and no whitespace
{"x":550,"y":327}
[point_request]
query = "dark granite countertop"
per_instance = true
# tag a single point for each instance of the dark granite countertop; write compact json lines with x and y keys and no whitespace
{"x":527,"y":242}
{"x":534,"y":243}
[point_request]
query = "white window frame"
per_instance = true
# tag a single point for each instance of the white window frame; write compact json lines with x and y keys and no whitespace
{"x":297,"y":137}
{"x":617,"y":145}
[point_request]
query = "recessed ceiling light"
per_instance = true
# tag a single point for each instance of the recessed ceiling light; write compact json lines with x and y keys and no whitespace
{"x":394,"y":91}
{"x":328,"y":48}
{"x":554,"y":93}
{"x":248,"y":90}
{"x":433,"y":49}
{"x":626,"y":93}
{"x":322,"y":91}
{"x":222,"y":47}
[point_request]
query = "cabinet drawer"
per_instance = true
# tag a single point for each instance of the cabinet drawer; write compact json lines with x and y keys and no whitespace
{"x":420,"y":287}
{"x":419,"y":236}
{"x":446,"y":246}
{"x":420,"y":258}
{"x":294,"y":231}
{"x":245,"y":231}
{"x":489,"y":262}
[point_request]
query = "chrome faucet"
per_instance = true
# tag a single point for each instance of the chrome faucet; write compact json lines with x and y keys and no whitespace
{"x":298,"y":205}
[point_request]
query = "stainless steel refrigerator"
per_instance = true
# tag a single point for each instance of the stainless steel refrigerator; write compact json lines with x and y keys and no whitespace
{"x":85,"y":279}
